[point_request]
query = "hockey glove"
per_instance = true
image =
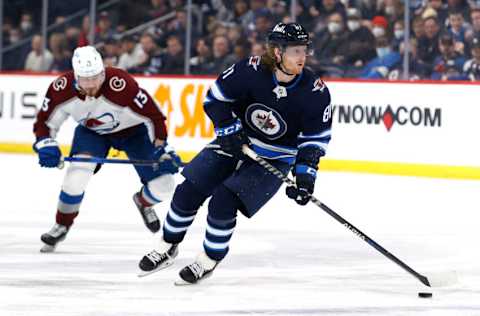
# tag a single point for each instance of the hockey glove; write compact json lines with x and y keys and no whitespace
{"x":305,"y":181}
{"x":231,"y":139}
{"x":305,"y":173}
{"x":48,"y":152}
{"x":168,"y":160}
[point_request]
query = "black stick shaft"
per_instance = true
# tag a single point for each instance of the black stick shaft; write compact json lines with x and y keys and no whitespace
{"x":339,"y":218}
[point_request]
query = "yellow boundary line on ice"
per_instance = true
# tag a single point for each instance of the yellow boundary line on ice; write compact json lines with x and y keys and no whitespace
{"x":385,"y":168}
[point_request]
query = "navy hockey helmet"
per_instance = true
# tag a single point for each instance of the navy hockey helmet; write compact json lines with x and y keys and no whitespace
{"x":288,"y":34}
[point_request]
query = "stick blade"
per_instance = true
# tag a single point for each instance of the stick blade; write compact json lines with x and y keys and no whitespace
{"x":442,"y":279}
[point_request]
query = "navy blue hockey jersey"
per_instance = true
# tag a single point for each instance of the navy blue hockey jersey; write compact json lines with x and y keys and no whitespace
{"x":278,"y":119}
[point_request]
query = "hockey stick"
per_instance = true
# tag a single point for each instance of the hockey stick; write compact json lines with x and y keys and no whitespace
{"x":110,"y":160}
{"x":434,"y":280}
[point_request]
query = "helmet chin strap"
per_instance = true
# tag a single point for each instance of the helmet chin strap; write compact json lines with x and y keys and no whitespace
{"x":281,"y":68}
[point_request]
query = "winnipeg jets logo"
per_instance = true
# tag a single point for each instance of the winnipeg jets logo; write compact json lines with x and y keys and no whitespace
{"x":102,"y":124}
{"x":318,"y":85}
{"x":266,"y":121}
{"x":60,"y":84}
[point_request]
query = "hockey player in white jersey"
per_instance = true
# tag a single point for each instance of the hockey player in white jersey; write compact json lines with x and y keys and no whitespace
{"x":112,"y":111}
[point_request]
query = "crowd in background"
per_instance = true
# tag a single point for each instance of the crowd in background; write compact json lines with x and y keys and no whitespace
{"x":351,"y":38}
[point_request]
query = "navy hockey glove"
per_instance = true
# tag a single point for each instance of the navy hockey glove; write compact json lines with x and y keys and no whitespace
{"x":231,"y":139}
{"x":305,"y":180}
{"x":305,"y":174}
{"x":168,"y":160}
{"x":48,"y":152}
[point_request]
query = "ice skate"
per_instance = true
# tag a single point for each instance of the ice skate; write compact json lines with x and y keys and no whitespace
{"x":148,"y":214}
{"x":158,"y":259}
{"x":201,"y":269}
{"x":53,"y":237}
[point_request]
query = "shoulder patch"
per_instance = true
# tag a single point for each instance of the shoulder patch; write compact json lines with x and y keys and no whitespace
{"x":117,"y":84}
{"x":60,"y":84}
{"x":318,"y":85}
{"x":254,"y":61}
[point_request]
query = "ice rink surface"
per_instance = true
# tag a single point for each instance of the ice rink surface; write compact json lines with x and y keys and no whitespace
{"x":287,"y":260}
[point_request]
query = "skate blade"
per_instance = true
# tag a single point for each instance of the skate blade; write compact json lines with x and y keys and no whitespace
{"x":47,"y":248}
{"x":142,"y":274}
{"x":182,"y":282}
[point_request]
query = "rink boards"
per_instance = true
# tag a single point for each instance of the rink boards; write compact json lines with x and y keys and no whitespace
{"x":421,"y":129}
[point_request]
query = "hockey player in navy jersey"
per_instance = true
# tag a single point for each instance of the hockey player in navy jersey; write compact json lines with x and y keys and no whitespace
{"x":278,"y":108}
{"x":111,"y":111}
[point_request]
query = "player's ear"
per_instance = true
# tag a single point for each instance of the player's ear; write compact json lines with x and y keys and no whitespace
{"x":277,"y":51}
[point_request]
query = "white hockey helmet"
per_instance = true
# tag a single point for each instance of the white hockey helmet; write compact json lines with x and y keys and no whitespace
{"x":87,"y":62}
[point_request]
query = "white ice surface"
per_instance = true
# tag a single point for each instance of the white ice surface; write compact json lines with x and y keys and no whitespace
{"x":287,"y":260}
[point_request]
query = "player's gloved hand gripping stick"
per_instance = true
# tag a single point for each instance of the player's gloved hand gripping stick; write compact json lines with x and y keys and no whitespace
{"x":433,"y":280}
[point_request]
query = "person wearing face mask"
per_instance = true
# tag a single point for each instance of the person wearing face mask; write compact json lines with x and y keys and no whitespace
{"x":398,"y":34}
{"x":360,"y":43}
{"x":379,"y":26}
{"x":330,"y":48}
{"x":26,"y":23}
{"x":386,"y":59}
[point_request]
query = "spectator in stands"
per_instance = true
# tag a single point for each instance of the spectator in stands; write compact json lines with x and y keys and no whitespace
{"x":263,"y":24}
{"x":26,"y":24}
{"x":418,"y":27}
{"x":440,"y":8}
{"x":398,"y":34}
{"x":61,"y":54}
{"x":380,"y":26}
{"x":132,"y":53}
{"x":471,"y":68}
{"x":449,"y":65}
{"x":456,"y":26}
{"x":386,"y":60}
{"x":330,"y":46}
{"x":241,"y":50}
{"x":322,"y":9}
{"x":474,"y":32}
{"x":368,"y":8}
{"x":360,"y":42}
{"x":174,"y":57}
{"x":72,"y":34}
{"x":393,"y":10}
{"x":202,"y":62}
{"x":104,"y":29}
{"x":111,"y":52}
{"x":242,"y":15}
{"x":258,"y":49}
{"x":235,"y":33}
{"x":37,"y":59}
{"x":221,"y":54}
{"x":416,"y":70}
{"x":428,"y":44}
{"x":157,"y":9}
{"x":152,"y":60}
{"x":460,"y":6}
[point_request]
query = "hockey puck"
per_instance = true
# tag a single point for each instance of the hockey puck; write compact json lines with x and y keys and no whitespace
{"x":425,"y":294}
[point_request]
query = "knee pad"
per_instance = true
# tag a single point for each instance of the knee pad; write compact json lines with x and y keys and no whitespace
{"x":77,"y":176}
{"x":160,"y":188}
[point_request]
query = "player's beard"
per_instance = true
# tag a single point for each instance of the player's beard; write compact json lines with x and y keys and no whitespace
{"x":91,"y":92}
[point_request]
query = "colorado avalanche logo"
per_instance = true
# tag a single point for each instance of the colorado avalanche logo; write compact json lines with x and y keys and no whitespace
{"x":60,"y":84}
{"x":265,"y":120}
{"x":117,"y":84}
{"x":102,"y":124}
